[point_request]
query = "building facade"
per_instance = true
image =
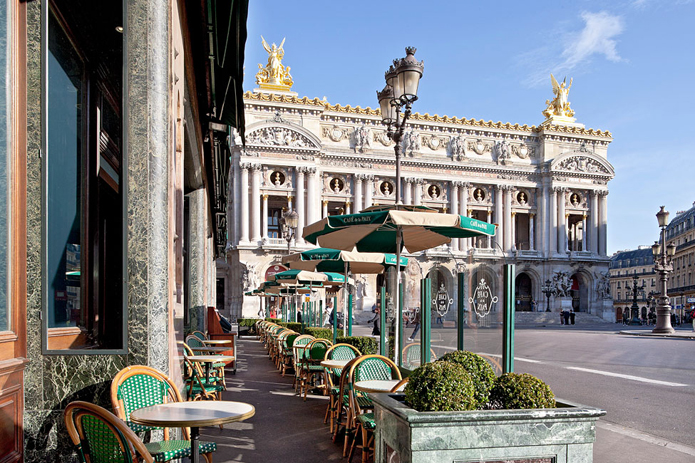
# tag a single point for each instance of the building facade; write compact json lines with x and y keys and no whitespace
{"x":545,"y":186}
{"x":624,"y":267}
{"x":681,"y":286}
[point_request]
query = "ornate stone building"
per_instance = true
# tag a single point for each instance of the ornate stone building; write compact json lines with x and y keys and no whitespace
{"x":546,"y":186}
{"x":681,"y":285}
{"x":624,"y":266}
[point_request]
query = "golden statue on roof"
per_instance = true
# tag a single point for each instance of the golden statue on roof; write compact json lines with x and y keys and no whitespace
{"x":274,"y":76}
{"x":558,"y":109}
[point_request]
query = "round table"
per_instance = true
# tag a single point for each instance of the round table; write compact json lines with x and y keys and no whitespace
{"x":209,"y":349}
{"x":374,"y":385}
{"x":193,"y":415}
{"x":216,"y":341}
{"x":209,"y":359}
{"x":339,"y":364}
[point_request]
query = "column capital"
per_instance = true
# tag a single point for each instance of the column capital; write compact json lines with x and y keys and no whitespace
{"x":532,"y":214}
{"x":324,"y":202}
{"x":301,"y":170}
{"x":290,"y":198}
{"x":245,"y":165}
{"x":602,"y":193}
{"x":256,"y":167}
{"x":458,"y":184}
{"x":348,"y":203}
{"x":265,"y":197}
{"x":513,"y":214}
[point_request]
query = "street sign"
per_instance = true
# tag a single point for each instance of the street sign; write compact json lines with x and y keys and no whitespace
{"x":690,"y":300}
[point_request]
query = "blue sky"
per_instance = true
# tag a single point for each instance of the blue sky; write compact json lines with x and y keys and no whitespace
{"x":633,"y":65}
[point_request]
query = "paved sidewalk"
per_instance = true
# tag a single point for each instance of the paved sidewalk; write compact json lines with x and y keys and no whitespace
{"x":286,"y":429}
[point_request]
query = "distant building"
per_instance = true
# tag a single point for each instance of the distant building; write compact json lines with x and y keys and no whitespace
{"x":681,"y":286}
{"x":624,"y":266}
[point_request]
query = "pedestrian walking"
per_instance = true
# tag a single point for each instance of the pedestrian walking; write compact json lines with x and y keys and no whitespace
{"x":376,"y":331}
{"x":417,"y":321}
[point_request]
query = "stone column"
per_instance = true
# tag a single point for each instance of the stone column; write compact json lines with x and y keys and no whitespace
{"x":369,"y":190}
{"x":256,"y":204}
{"x":544,"y":222}
{"x":311,"y":190}
{"x":264,"y":218}
{"x":235,"y":192}
{"x":244,"y":238}
{"x":531,"y":234}
{"x":497,"y":218}
{"x":324,"y":208}
{"x":301,"y":210}
{"x":584,"y":232}
{"x":408,"y":191}
{"x":508,"y":218}
{"x":455,"y":209}
{"x":348,"y":209}
{"x":593,"y":212}
{"x":513,"y":231}
{"x":290,"y":202}
{"x":561,"y":222}
{"x":358,"y":192}
{"x":603,"y":224}
{"x":463,"y":210}
{"x":418,"y":192}
{"x":553,"y":214}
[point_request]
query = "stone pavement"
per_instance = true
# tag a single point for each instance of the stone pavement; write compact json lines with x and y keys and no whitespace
{"x":286,"y":429}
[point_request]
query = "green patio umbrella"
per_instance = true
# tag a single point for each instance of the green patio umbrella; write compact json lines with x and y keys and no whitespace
{"x":300,"y":277}
{"x":392,"y":228}
{"x":337,"y":260}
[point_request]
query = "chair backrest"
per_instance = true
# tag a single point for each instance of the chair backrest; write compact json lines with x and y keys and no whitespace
{"x":341,"y":351}
{"x":100,"y":436}
{"x":316,"y":349}
{"x":412,"y":355}
{"x":199,"y":334}
{"x":299,"y":345}
{"x":139,"y":386}
{"x":375,"y":367}
{"x":289,"y":340}
{"x":194,"y":341}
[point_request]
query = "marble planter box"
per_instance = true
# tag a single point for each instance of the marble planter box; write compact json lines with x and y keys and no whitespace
{"x":556,"y":435}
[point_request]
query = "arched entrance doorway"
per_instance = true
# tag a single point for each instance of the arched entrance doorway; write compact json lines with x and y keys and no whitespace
{"x":524,"y":293}
{"x":580,"y":293}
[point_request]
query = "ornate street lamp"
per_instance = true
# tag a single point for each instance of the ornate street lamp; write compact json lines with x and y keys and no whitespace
{"x":662,"y":265}
{"x":548,"y":291}
{"x":402,"y":80}
{"x":634,"y":308}
{"x":289,"y":222}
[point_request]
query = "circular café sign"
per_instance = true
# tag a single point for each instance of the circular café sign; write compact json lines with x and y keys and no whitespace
{"x":482,"y":299}
{"x":272,"y":270}
{"x":442,"y":301}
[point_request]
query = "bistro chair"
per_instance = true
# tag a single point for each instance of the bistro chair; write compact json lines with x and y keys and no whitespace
{"x":298,"y":347}
{"x":358,"y":404}
{"x":287,"y":353}
{"x":198,"y":385}
{"x":311,"y":365}
{"x":337,"y":352}
{"x":99,"y":435}
{"x":412,"y":356}
{"x":199,"y":334}
{"x":217,"y":367}
{"x":140,"y":386}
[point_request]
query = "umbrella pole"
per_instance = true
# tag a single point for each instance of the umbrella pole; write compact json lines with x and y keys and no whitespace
{"x":397,"y":290}
{"x":345,"y":300}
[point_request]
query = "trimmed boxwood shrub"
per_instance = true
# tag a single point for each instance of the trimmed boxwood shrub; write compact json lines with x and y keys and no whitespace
{"x":480,"y":370}
{"x":292,"y":326}
{"x":440,"y":386}
{"x":321,"y":333}
{"x":364,"y":344}
{"x":521,"y":391}
{"x":247,"y":321}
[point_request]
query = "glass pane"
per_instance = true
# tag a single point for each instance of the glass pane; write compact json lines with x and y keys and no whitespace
{"x":4,"y":150}
{"x":64,"y":154}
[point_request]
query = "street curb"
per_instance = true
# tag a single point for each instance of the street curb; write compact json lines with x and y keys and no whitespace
{"x":677,"y":334}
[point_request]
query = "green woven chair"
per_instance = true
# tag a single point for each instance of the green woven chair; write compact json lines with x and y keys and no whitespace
{"x":199,"y":334}
{"x":337,"y":352}
{"x":312,"y":356}
{"x":365,"y":368}
{"x":287,"y":355}
{"x":412,"y":356}
{"x":217,"y":368}
{"x":298,"y":347}
{"x":100,"y":436}
{"x":141,"y":386}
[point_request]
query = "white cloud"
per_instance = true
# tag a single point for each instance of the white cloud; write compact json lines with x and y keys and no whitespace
{"x":598,"y":37}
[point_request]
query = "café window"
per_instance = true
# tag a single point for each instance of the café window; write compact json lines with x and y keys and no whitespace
{"x":83,"y":195}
